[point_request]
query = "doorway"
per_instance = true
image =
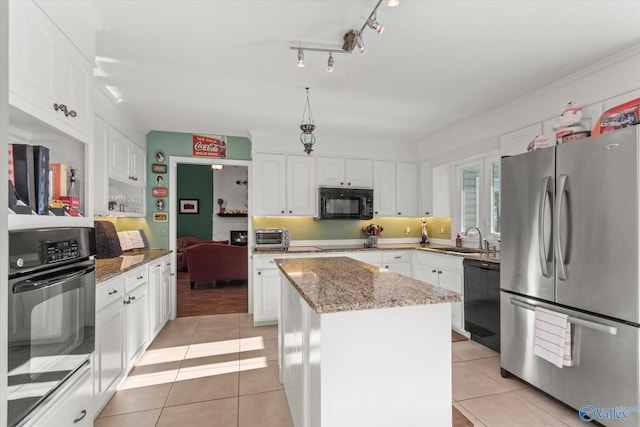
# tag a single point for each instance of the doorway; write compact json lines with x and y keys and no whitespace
{"x":222,"y":290}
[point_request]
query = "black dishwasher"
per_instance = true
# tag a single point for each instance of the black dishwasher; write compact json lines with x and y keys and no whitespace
{"x":482,"y":302}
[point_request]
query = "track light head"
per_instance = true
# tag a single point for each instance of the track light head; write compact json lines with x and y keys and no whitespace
{"x":300,"y":62}
{"x":360,"y":44}
{"x":330,"y":63}
{"x":375,"y":25}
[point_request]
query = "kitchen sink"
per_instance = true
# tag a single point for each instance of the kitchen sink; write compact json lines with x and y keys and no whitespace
{"x":462,"y":251}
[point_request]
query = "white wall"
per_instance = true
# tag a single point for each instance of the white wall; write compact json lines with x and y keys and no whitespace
{"x":235,"y":198}
{"x":618,"y":75}
{"x":333,"y":146}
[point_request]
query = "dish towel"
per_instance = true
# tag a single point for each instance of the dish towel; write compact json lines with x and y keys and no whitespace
{"x":552,"y":339}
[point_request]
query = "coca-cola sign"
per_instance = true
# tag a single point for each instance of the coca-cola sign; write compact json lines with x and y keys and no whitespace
{"x":205,"y":146}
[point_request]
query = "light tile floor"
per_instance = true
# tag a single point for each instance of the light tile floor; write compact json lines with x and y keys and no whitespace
{"x":221,"y":371}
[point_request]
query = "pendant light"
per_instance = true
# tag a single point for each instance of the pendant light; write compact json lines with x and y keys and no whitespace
{"x":307,"y":138}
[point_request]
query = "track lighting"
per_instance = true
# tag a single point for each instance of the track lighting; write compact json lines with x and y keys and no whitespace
{"x":330,"y":63}
{"x":352,"y":38}
{"x":375,"y":25}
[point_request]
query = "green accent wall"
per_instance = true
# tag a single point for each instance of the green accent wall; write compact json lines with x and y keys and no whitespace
{"x":196,"y":182}
{"x":178,"y":144}
{"x":303,"y":228}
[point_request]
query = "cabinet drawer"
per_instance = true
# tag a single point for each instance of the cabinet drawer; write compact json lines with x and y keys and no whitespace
{"x":395,"y":256}
{"x":135,"y":278}
{"x":445,"y":262}
{"x":262,"y":262}
{"x":109,"y":292}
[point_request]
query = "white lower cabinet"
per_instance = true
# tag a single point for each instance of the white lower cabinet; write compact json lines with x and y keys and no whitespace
{"x":397,"y":261}
{"x":71,"y":406}
{"x":266,"y":296}
{"x":136,"y":302}
{"x":156,"y":297}
{"x":109,"y":356}
{"x":166,"y":288}
{"x":446,"y":272}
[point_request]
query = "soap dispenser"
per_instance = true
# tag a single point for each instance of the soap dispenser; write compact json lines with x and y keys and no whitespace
{"x":458,"y":241}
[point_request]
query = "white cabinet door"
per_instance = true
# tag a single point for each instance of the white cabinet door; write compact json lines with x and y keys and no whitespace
{"x":406,"y":189}
{"x":34,"y":64}
{"x":331,"y":172}
{"x":137,"y":166}
{"x":384,"y":188}
{"x":137,"y":316}
{"x":269,"y":185}
{"x":403,"y":268}
{"x":266,"y":296}
{"x":425,"y":189}
{"x":301,"y":186}
{"x":426,"y":273}
{"x":119,"y":156}
{"x":156,"y":305}
{"x":166,"y":288}
{"x":109,"y":358}
{"x":77,"y":88}
{"x":452,"y":281}
{"x":100,"y":188}
{"x":358,"y":173}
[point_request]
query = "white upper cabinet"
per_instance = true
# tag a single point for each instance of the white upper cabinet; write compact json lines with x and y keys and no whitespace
{"x":406,"y":189}
{"x":100,"y":177}
{"x":395,"y":189}
{"x":384,"y":188}
{"x":442,"y":191}
{"x":284,"y":185}
{"x":345,"y":172}
{"x":48,"y":77}
{"x":425,"y":190}
{"x":126,"y":160}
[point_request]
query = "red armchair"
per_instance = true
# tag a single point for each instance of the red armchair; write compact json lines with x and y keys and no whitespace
{"x":183,"y":243}
{"x":209,"y":262}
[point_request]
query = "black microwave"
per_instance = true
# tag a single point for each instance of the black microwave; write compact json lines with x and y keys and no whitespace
{"x":345,"y":203}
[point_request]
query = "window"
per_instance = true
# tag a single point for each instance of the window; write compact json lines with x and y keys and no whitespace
{"x":478,"y":187}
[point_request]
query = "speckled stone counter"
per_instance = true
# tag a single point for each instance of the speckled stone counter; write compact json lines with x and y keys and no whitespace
{"x":108,"y":268}
{"x":429,"y":247}
{"x":336,"y":284}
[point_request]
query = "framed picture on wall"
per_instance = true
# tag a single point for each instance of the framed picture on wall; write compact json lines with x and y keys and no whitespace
{"x":189,"y":206}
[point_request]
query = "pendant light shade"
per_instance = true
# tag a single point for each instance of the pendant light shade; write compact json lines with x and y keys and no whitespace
{"x":307,"y":138}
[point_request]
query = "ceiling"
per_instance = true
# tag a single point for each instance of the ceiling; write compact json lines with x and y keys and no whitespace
{"x":225,"y":67}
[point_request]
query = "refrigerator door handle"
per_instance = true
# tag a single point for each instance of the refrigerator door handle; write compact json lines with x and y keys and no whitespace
{"x":611,"y":330}
{"x":546,"y":193}
{"x":562,"y":256}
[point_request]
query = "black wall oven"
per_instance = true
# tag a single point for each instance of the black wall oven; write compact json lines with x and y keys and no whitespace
{"x":51,"y":313}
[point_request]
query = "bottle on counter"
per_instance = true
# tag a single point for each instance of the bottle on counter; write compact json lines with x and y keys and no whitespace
{"x":458,"y":241}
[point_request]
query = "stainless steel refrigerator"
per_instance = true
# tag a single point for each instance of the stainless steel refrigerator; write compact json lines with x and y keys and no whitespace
{"x":570,"y":233}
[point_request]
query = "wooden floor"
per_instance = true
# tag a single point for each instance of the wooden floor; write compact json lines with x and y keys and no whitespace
{"x":207,"y":298}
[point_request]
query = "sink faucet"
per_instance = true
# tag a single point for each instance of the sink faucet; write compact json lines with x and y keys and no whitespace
{"x":466,"y":233}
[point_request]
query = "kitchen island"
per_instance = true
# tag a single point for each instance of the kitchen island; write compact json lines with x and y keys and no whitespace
{"x":363,"y":346}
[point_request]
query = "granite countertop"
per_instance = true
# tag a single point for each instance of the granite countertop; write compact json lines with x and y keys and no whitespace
{"x":107,"y":268}
{"x":429,"y":247}
{"x":336,"y":284}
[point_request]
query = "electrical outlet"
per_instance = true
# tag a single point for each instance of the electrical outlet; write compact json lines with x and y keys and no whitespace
{"x":407,"y":230}
{"x":442,"y":230}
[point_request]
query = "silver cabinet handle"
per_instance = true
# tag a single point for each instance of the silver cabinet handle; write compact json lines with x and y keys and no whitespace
{"x":115,"y":291}
{"x":397,"y":257}
{"x":82,"y":415}
{"x":139,"y":277}
{"x":611,"y":330}
{"x":546,"y":192}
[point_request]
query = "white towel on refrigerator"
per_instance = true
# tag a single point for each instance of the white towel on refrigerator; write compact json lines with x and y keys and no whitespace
{"x":552,"y":340}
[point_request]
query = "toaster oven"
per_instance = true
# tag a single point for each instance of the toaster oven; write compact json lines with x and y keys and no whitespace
{"x":271,"y":238}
